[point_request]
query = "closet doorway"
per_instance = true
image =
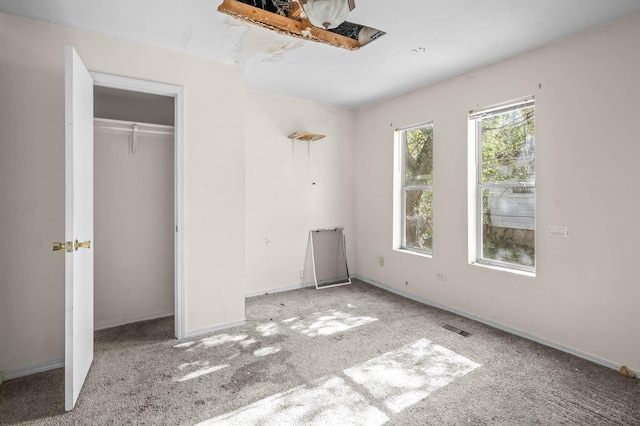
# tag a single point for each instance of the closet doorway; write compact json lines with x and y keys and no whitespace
{"x":137,"y":208}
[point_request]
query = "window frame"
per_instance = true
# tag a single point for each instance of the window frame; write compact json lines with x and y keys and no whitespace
{"x":404,"y":188}
{"x":476,"y":117}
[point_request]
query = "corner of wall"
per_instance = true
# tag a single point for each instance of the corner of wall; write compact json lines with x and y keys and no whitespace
{"x":2,"y":191}
{"x":293,"y":186}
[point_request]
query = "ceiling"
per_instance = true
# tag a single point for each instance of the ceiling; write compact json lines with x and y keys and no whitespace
{"x":426,"y":40}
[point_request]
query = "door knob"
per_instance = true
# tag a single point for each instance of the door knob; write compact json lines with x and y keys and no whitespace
{"x":63,"y":246}
{"x":83,"y":244}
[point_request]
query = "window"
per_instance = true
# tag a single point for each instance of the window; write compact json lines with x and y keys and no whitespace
{"x":416,"y":149}
{"x":505,"y":185}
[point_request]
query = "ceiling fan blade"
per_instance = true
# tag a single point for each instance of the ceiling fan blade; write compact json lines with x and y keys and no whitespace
{"x":352,"y":4}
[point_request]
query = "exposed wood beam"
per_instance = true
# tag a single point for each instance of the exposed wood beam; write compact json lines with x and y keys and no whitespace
{"x":302,"y":29}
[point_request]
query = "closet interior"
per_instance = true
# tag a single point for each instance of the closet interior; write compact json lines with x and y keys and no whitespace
{"x":134,"y":207}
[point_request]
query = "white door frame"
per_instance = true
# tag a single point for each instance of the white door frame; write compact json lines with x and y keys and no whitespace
{"x":176,"y":92}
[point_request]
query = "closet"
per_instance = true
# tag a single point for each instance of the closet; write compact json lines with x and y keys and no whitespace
{"x":133,"y":207}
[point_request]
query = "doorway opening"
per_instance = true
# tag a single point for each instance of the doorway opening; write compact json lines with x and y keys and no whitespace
{"x":138,"y":183}
{"x":133,"y":207}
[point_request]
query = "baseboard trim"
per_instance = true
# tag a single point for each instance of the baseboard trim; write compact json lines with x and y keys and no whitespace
{"x":490,"y":323}
{"x":118,"y":323}
{"x":59,"y":363}
{"x":200,"y":332}
{"x":33,"y":369}
{"x":279,"y":289}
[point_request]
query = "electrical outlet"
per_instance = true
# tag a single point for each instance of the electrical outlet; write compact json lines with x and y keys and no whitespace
{"x":441,"y":276}
{"x":301,"y":273}
{"x":381,"y":261}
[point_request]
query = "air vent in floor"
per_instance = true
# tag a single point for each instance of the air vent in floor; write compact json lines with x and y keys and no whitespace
{"x":456,"y":330}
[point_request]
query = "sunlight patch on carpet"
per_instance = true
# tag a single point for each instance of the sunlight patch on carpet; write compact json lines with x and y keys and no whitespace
{"x":248,"y":342}
{"x":202,"y":368}
{"x":210,"y":342}
{"x":407,"y":375}
{"x":266,"y":351}
{"x":329,"y":322}
{"x":184,"y":345}
{"x":328,"y":402}
{"x":220,"y":339}
{"x":317,"y":324}
{"x":268,"y":329}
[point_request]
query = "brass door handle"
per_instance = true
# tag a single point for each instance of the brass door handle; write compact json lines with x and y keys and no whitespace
{"x":68,"y":247}
{"x":83,"y":244}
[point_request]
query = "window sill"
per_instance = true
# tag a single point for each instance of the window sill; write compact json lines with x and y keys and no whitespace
{"x":504,"y":269}
{"x":415,"y":253}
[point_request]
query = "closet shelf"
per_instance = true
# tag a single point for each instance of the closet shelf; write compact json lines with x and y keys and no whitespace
{"x":303,"y":136}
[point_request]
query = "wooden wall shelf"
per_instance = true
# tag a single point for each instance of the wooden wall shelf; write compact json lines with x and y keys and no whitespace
{"x":303,"y":136}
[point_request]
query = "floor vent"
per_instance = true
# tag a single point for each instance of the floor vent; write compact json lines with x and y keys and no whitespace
{"x":456,"y":330}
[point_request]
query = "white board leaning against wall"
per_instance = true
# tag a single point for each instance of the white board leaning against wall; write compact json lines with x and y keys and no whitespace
{"x":327,"y":248}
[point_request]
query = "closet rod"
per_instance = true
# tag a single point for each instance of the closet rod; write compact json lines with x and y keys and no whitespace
{"x":155,"y":132}
{"x":128,"y":126}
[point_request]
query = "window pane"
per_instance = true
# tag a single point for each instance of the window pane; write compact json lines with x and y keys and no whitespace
{"x":508,"y":225}
{"x":419,"y":156}
{"x":508,"y":146}
{"x":419,"y":220}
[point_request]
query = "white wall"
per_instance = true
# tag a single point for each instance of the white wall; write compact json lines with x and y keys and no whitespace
{"x":32,"y":176}
{"x":133,"y":227}
{"x":292,"y":187}
{"x":585,"y":295}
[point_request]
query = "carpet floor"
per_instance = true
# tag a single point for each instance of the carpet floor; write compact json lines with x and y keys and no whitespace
{"x":351,"y":355}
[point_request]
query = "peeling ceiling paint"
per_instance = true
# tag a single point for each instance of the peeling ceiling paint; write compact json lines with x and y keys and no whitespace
{"x":426,"y":40}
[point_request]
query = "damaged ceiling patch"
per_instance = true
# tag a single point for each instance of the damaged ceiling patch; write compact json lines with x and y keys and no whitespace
{"x":287,"y":17}
{"x":255,"y":48}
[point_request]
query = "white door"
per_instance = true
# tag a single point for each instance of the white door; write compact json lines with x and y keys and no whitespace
{"x":78,"y":225}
